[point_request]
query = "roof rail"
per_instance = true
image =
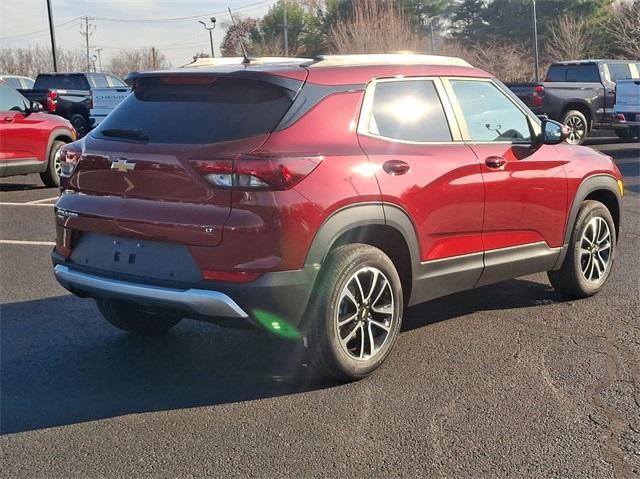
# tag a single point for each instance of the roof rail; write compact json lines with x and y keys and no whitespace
{"x":387,"y":59}
{"x":206,"y":62}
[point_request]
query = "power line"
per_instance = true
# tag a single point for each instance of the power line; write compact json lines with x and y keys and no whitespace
{"x":179,"y":19}
{"x":38,"y":33}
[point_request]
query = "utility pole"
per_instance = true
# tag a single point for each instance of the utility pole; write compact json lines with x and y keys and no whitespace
{"x":286,"y":28}
{"x":433,"y":41}
{"x":98,"y":50}
{"x":210,"y":30}
{"x":535,"y":39}
{"x":86,"y":30}
{"x":153,"y":58}
{"x":53,"y":37}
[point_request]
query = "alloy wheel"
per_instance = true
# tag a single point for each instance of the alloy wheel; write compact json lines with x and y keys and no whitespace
{"x":595,"y":249}
{"x":577,"y":129}
{"x":365,"y":313}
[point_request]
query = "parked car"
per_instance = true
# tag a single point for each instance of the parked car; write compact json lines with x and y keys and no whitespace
{"x":70,"y":95}
{"x":580,"y":94}
{"x":17,"y":82}
{"x":627,"y":108}
{"x":321,"y":200}
{"x":30,"y":140}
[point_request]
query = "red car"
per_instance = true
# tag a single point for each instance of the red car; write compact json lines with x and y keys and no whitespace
{"x":320,"y":200}
{"x":29,"y":139}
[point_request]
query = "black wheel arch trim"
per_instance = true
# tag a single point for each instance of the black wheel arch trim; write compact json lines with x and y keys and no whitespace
{"x":589,"y":185}
{"x":358,"y":215}
{"x":55,"y":135}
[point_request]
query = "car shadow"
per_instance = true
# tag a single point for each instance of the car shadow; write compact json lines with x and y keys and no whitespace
{"x":61,"y":364}
{"x":22,"y":187}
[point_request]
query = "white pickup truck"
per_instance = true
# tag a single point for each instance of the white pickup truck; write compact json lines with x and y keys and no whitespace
{"x":627,"y":108}
{"x":104,"y":101}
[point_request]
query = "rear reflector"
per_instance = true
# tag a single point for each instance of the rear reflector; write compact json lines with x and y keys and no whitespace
{"x":231,"y":276}
{"x":271,"y":172}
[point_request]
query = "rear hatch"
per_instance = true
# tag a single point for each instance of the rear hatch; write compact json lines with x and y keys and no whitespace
{"x":139,"y":173}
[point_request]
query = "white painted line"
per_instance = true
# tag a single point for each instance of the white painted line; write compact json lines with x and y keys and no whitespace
{"x":45,"y":200}
{"x":36,"y":243}
{"x":5,"y":203}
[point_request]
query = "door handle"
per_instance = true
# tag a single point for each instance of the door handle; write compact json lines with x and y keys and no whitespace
{"x":395,"y":167}
{"x":495,"y":162}
{"x":8,"y":119}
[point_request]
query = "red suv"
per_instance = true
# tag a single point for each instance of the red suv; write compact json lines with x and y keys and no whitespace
{"x":320,"y":200}
{"x":30,"y":140}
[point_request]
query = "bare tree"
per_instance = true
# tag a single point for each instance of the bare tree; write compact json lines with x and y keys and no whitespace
{"x":508,"y":61}
{"x":569,"y":38}
{"x":34,"y":60}
{"x":135,"y":60}
{"x":625,"y":29}
{"x":375,"y":27}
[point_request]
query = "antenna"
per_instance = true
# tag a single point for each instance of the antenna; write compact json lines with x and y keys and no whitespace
{"x":245,"y":59}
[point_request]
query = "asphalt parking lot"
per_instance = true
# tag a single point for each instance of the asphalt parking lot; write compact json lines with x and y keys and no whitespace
{"x":509,"y":380}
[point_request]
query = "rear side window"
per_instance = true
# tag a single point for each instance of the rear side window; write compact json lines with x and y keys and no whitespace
{"x":174,"y":110}
{"x":408,"y":110}
{"x":114,"y":81}
{"x":619,"y":71}
{"x":573,"y":73}
{"x":61,"y":82}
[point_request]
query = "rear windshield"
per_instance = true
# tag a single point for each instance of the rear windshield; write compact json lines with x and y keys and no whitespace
{"x":162,"y":110}
{"x":61,"y":82}
{"x":573,"y":73}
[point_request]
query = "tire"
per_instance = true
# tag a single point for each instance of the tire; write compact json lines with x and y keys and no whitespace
{"x":332,"y":353}
{"x":626,"y":134}
{"x":80,"y":124}
{"x":578,"y":126}
{"x":582,"y":274}
{"x":51,"y":176}
{"x":129,"y":318}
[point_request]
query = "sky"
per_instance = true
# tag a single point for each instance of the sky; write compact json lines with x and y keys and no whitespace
{"x":172,"y":26}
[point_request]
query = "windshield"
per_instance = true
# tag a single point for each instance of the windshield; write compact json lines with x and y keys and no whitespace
{"x":166,"y":110}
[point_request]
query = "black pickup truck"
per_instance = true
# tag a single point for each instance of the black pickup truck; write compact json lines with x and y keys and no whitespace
{"x":70,"y":95}
{"x":580,"y":94}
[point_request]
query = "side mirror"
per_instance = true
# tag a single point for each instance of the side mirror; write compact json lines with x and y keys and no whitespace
{"x":32,"y":107}
{"x":553,"y":132}
{"x":36,"y":107}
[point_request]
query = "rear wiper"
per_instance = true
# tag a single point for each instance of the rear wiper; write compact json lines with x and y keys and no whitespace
{"x":137,"y":135}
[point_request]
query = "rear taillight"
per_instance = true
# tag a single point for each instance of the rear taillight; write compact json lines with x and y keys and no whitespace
{"x":91,"y":102}
{"x":271,"y":172}
{"x":52,"y":101}
{"x":537,"y":96}
{"x":69,"y":158}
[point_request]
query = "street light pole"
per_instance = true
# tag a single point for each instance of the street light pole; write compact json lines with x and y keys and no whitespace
{"x":285,"y":28}
{"x":53,"y":37}
{"x":210,"y":30}
{"x":535,"y":39}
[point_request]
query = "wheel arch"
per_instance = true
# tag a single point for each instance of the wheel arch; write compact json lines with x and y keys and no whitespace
{"x":581,"y":106}
{"x":386,"y":227}
{"x":602,"y":188}
{"x":57,"y":134}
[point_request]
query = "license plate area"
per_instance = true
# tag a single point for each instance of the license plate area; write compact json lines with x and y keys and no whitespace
{"x":140,"y":258}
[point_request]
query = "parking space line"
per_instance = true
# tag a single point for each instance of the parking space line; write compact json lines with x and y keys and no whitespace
{"x":44,"y":200}
{"x":5,"y":203}
{"x":35,"y":243}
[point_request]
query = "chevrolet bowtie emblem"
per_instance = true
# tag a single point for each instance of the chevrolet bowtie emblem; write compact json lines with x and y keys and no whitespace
{"x":122,"y":164}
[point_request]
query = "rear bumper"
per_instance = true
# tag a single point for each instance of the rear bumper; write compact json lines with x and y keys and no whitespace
{"x":277,"y":296}
{"x":199,"y":301}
